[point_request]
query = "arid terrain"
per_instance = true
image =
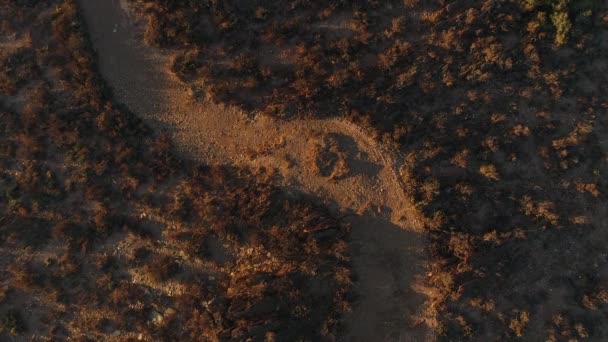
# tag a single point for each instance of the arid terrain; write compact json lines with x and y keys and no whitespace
{"x":332,"y":159}
{"x":303,"y":171}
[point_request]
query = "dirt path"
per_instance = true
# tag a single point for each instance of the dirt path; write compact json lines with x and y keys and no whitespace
{"x":387,"y":250}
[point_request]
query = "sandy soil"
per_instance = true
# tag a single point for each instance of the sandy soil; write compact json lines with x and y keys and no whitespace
{"x":388,"y":253}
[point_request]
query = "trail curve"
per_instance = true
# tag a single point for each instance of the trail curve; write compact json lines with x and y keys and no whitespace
{"x":387,"y":247}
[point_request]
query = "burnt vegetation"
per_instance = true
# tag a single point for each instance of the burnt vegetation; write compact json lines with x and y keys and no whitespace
{"x":106,"y":234}
{"x":498,"y":107}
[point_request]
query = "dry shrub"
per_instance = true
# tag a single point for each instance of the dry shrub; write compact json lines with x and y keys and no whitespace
{"x":429,"y":190}
{"x":461,"y":245}
{"x":542,"y":210}
{"x":591,"y":188}
{"x":596,"y":299}
{"x":460,"y":159}
{"x":489,"y":171}
{"x":519,"y":323}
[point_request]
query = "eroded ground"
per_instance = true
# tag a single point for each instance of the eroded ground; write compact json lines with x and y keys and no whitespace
{"x":330,"y":158}
{"x":356,"y":127}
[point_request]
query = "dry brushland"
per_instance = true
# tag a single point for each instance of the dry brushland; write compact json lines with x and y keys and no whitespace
{"x":478,"y":124}
{"x":106,"y":235}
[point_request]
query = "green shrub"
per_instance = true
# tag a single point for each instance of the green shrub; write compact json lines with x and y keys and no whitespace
{"x":561,"y":21}
{"x":560,"y":17}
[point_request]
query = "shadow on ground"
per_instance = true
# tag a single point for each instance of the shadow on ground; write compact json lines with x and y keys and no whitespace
{"x":385,"y":257}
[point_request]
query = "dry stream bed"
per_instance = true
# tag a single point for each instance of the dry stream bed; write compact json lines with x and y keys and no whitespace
{"x":357,"y":176}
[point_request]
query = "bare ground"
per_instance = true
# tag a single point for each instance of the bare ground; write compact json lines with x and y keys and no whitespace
{"x":387,"y":246}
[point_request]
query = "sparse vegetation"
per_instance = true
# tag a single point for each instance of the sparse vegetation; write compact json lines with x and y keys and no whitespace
{"x":497,"y":106}
{"x":101,"y":220}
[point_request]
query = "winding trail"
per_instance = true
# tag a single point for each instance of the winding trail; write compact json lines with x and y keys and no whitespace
{"x":387,"y":248}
